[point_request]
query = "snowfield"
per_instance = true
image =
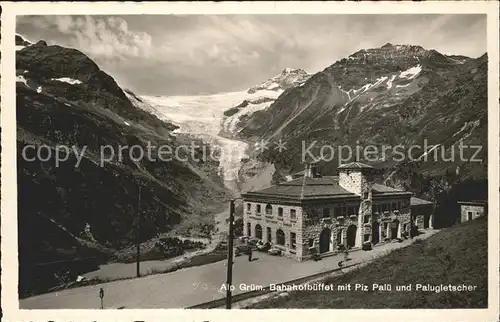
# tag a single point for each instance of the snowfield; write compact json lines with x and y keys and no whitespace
{"x":67,"y":80}
{"x":202,"y":116}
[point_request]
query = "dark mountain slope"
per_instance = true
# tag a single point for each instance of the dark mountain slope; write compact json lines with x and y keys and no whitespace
{"x":63,"y":98}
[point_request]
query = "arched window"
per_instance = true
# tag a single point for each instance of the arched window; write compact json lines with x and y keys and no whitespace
{"x":269,"y":209}
{"x":280,"y":237}
{"x":258,"y":231}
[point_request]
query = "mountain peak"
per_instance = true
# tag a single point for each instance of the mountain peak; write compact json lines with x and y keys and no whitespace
{"x":289,"y":77}
{"x":293,"y":71}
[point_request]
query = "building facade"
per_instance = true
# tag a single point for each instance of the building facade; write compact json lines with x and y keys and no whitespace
{"x":312,"y":213}
{"x":470,"y":210}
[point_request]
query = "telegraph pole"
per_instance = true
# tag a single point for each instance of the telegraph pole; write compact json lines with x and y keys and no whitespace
{"x":229,"y":281}
{"x":138,"y":240}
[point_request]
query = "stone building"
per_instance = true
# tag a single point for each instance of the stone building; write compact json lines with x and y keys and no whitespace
{"x":319,"y":213}
{"x":470,"y":210}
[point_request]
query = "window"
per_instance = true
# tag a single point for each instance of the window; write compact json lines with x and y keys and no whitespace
{"x":269,"y":235}
{"x":385,"y":207}
{"x":343,"y":210}
{"x":405,"y":227}
{"x":258,"y":209}
{"x":269,"y":209}
{"x":249,"y":206}
{"x":293,"y":214}
{"x":292,"y":240}
{"x":469,"y":214}
{"x":280,"y":237}
{"x":339,"y":237}
{"x":326,"y":212}
{"x":374,"y":209}
{"x":394,"y":206}
{"x":280,"y":212}
{"x":337,"y":211}
{"x":249,"y":230}
{"x":367,"y":237}
{"x":311,"y":242}
{"x":258,"y":231}
{"x":367,"y":219}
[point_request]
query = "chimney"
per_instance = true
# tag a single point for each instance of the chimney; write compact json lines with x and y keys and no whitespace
{"x":307,"y":171}
{"x":311,"y":170}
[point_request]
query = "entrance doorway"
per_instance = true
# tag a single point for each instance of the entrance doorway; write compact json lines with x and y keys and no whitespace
{"x":351,"y":236}
{"x":426,"y":221}
{"x":375,"y":233}
{"x":324,"y":240}
{"x":394,"y":229}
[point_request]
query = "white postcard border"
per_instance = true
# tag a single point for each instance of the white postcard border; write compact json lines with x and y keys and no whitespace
{"x":10,"y":303}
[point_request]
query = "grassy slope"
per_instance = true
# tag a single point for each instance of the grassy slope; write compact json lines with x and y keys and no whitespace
{"x":457,"y":255}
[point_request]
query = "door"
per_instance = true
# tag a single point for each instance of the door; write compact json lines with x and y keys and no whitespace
{"x":351,"y":236}
{"x":426,"y":221}
{"x":394,"y":229}
{"x":375,"y":233}
{"x":324,"y":240}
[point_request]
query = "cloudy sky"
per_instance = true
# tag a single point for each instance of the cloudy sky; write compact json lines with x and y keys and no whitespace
{"x":195,"y":54}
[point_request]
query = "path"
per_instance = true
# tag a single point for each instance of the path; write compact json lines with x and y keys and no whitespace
{"x":195,"y":285}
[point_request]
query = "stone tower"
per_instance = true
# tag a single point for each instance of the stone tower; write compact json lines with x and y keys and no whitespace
{"x":357,"y":178}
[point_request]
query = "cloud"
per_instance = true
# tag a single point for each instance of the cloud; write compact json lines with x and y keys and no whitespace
{"x":179,"y":54}
{"x":103,"y":38}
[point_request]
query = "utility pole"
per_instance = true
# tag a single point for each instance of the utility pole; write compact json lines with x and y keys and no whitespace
{"x":230,"y":256}
{"x":138,"y":228}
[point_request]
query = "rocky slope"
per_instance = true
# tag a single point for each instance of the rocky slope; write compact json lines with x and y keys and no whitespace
{"x":388,"y":96}
{"x":83,"y":208}
{"x":259,"y":97}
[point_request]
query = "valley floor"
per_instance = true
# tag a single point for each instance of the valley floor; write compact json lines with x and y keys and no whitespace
{"x":195,"y":285}
{"x":116,"y":271}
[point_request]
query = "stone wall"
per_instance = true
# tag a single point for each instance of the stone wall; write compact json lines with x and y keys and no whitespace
{"x":275,"y":222}
{"x":314,"y":224}
{"x":475,"y":210}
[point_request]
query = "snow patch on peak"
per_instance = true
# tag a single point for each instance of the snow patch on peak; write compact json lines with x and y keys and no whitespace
{"x":389,"y":83}
{"x":411,"y":72}
{"x":467,"y":129}
{"x":67,"y":80}
{"x":21,"y":79}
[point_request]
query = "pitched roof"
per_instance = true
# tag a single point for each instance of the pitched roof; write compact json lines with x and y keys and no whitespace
{"x":473,"y":202}
{"x":305,"y":188}
{"x":316,"y":188}
{"x":381,"y":190}
{"x":414,"y":201}
{"x":354,"y":165}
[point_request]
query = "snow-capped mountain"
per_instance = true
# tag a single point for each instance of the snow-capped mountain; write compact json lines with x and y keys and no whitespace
{"x":289,"y":77}
{"x":64,"y":99}
{"x":385,"y":96}
{"x":261,"y":96}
